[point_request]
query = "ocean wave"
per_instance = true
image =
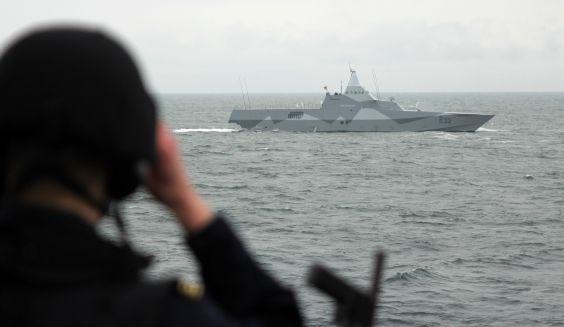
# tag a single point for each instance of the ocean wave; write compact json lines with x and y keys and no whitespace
{"x":521,"y":261}
{"x":202,"y":152}
{"x":227,"y":187}
{"x":414,"y":275}
{"x":205,"y":130}
{"x":272,"y":209}
{"x":446,"y":136}
{"x":289,"y":197}
{"x":483,"y":129}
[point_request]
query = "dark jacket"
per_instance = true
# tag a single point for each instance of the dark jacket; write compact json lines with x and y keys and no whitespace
{"x":55,"y":270}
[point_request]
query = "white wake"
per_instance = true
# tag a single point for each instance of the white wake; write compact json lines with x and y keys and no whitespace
{"x":482,"y":129}
{"x":205,"y":130}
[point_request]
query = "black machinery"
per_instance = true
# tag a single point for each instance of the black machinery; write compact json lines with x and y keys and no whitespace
{"x":355,"y":308}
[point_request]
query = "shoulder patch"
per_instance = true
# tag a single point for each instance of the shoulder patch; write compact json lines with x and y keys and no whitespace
{"x":189,"y":290}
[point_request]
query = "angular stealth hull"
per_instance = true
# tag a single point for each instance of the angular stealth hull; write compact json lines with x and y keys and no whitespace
{"x":356,"y":111}
{"x":315,"y":120}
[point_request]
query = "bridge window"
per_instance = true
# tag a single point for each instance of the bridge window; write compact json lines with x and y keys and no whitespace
{"x":295,"y":115}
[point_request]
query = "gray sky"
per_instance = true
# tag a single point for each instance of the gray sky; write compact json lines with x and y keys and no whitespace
{"x":300,"y":46}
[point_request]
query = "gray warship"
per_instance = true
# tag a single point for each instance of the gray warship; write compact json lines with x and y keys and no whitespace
{"x":356,"y":110}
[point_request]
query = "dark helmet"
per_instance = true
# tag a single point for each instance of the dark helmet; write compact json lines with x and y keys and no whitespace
{"x":74,"y":87}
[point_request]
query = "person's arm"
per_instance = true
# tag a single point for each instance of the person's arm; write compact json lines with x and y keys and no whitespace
{"x":236,"y":282}
{"x":169,"y":184}
{"x":232,"y":278}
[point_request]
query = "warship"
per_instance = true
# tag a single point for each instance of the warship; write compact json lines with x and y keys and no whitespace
{"x":356,"y":110}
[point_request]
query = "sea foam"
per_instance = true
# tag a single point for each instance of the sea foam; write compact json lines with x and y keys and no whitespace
{"x":205,"y":130}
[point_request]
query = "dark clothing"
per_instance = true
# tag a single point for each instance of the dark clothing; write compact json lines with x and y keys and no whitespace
{"x":55,"y":270}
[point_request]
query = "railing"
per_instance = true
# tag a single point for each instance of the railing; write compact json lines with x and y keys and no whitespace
{"x":302,"y":106}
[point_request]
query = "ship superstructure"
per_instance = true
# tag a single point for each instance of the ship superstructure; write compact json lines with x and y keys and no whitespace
{"x":356,"y":110}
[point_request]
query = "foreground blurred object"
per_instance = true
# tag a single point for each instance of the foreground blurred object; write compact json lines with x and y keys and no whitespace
{"x":66,"y":89}
{"x":355,"y":308}
{"x":78,"y":133}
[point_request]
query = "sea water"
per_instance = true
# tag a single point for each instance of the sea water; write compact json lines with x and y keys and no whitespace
{"x":472,"y":223}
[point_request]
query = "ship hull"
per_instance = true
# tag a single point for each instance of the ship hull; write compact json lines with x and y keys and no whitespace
{"x":313,"y":120}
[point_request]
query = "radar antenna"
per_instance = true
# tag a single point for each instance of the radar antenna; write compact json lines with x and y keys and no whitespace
{"x":243,"y":93}
{"x":376,"y":86}
{"x":247,"y":91}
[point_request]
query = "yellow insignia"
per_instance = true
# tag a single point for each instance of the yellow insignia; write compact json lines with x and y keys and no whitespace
{"x":191,"y":291}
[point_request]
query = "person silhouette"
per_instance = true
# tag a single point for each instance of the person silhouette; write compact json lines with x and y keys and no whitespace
{"x":78,"y":133}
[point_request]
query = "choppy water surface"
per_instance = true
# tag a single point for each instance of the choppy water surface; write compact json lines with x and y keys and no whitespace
{"x":472,"y":222}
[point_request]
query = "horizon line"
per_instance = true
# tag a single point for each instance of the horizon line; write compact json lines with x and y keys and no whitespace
{"x":322,"y":93}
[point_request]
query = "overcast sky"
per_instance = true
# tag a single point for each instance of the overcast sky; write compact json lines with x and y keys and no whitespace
{"x":300,"y":46}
